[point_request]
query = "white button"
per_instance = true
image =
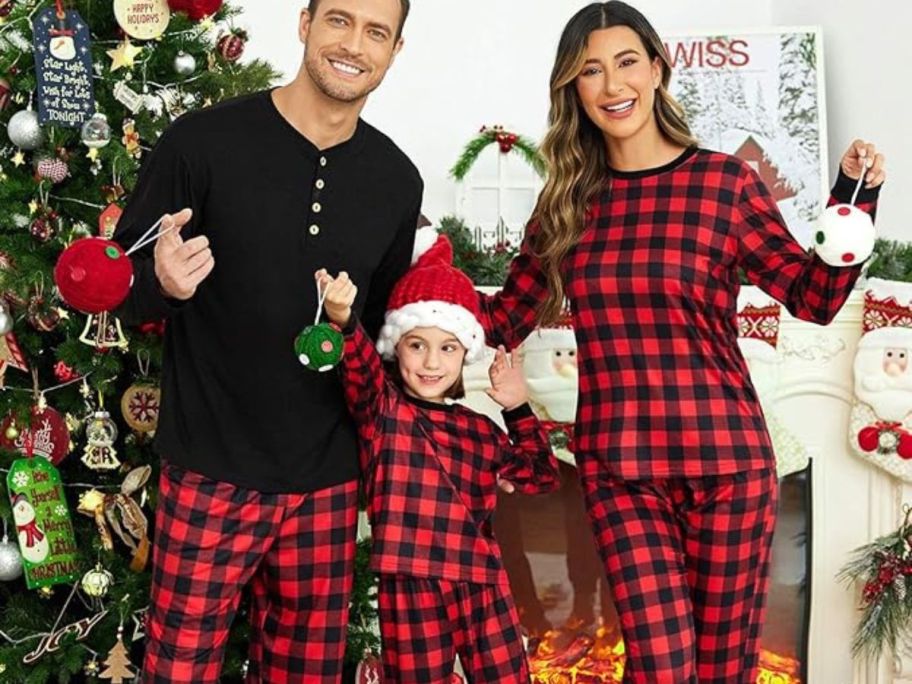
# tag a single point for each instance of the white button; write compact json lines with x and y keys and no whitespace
{"x":322,"y":161}
{"x":314,"y":229}
{"x":320,"y":183}
{"x":316,"y":207}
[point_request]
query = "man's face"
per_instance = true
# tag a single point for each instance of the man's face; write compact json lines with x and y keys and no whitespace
{"x":350,"y":44}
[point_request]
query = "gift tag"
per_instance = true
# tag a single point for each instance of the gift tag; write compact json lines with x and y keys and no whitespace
{"x":63,"y":67}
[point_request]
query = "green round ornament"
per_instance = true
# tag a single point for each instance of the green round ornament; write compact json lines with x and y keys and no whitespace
{"x":319,"y":347}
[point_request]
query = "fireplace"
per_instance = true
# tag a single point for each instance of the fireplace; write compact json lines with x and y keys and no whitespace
{"x":807,"y":390}
{"x":565,"y":605}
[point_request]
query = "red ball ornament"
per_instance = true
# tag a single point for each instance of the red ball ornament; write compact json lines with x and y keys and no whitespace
{"x":6,"y":7}
{"x":231,"y":45}
{"x":93,"y":275}
{"x":195,"y":9}
{"x":152,"y":328}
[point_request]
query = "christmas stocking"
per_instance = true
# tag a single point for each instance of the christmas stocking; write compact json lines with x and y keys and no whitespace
{"x":758,"y":336}
{"x":880,"y":427}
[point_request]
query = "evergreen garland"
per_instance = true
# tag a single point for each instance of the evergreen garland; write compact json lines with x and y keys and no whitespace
{"x":507,"y":141}
{"x":892,"y":260}
{"x":884,"y":567}
{"x":484,"y":266}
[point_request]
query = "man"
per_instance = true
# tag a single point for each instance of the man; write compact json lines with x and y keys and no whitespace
{"x":259,"y":475}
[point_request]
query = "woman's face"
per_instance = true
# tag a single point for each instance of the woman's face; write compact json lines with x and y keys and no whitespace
{"x":617,"y":84}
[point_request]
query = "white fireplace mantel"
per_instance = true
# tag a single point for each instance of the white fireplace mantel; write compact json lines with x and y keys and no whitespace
{"x":853,"y":501}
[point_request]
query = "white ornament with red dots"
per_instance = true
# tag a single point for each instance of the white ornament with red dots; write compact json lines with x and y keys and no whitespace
{"x":845,"y":235}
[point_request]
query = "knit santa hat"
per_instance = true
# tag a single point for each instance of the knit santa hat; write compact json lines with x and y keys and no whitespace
{"x":433,"y":294}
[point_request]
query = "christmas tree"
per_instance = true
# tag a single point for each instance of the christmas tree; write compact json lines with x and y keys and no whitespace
{"x":86,"y":88}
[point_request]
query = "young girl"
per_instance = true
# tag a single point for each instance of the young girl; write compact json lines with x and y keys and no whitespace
{"x":431,"y":469}
{"x":645,"y":234}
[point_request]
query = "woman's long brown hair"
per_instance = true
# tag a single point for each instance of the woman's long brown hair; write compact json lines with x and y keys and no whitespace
{"x":574,"y":148}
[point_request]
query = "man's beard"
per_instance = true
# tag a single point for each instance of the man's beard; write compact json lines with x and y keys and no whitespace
{"x":331,"y":88}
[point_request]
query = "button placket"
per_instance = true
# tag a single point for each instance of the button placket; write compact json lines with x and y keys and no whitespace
{"x":315,"y":205}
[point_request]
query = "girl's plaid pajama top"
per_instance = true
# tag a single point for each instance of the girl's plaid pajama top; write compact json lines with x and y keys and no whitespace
{"x":431,"y":472}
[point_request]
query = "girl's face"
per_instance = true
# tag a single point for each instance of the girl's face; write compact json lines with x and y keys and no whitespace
{"x":617,"y":84}
{"x":430,"y":362}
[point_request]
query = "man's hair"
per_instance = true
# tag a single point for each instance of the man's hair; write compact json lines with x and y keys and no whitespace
{"x":405,"y":4}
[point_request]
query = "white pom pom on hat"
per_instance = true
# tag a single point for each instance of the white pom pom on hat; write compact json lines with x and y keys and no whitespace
{"x":433,"y":293}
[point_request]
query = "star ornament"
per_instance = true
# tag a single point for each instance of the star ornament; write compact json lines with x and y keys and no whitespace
{"x":124,"y":55}
{"x":18,"y":158}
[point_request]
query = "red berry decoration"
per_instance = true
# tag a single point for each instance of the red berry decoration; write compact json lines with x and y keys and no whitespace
{"x":93,"y":275}
{"x":64,"y":373}
{"x":152,"y":328}
{"x":231,"y":45}
{"x":42,"y":228}
{"x":195,"y":9}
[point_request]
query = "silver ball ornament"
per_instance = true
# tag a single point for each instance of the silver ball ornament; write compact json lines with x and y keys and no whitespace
{"x":24,"y":130}
{"x":96,"y":132}
{"x":6,"y":319}
{"x":10,"y":561}
{"x":184,"y":64}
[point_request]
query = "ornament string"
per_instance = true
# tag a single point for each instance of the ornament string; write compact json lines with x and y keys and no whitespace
{"x":321,"y":297}
{"x":150,"y":236}
{"x":143,"y":360}
{"x":49,"y":389}
{"x":865,"y":164}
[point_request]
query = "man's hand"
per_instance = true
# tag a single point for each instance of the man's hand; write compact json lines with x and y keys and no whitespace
{"x":340,"y":293}
{"x":181,"y":266}
{"x":508,"y":384}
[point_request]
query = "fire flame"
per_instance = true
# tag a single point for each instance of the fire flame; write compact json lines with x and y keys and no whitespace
{"x":572,"y":656}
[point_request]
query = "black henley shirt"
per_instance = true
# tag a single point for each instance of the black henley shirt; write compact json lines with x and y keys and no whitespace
{"x":237,"y":405}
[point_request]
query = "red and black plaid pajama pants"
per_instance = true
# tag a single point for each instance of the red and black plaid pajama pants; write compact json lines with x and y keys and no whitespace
{"x":296,"y":551}
{"x":425,"y":622}
{"x":688,"y":562}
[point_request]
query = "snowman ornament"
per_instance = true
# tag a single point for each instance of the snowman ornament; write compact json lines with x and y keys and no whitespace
{"x":33,"y":542}
{"x":62,"y":46}
{"x":845,"y":234}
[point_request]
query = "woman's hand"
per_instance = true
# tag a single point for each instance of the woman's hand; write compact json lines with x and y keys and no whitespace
{"x":863,"y":157}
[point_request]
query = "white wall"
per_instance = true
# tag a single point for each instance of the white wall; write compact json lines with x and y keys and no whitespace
{"x":475,"y":62}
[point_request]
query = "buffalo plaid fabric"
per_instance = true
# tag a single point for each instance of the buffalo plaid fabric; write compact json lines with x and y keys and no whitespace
{"x":425,"y":622}
{"x":431,"y":472}
{"x":652,"y":285}
{"x":688,"y":561}
{"x":295,"y":550}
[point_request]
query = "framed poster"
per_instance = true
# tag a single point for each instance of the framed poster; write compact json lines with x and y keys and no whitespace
{"x":759,"y":95}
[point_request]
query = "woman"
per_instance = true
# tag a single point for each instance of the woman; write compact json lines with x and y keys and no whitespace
{"x":644,"y":234}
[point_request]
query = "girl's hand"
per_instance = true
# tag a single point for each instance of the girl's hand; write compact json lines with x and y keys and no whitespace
{"x":340,"y":293}
{"x":508,"y":383}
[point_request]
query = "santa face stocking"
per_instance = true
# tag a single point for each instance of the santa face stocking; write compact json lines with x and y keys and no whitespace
{"x":880,"y":428}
